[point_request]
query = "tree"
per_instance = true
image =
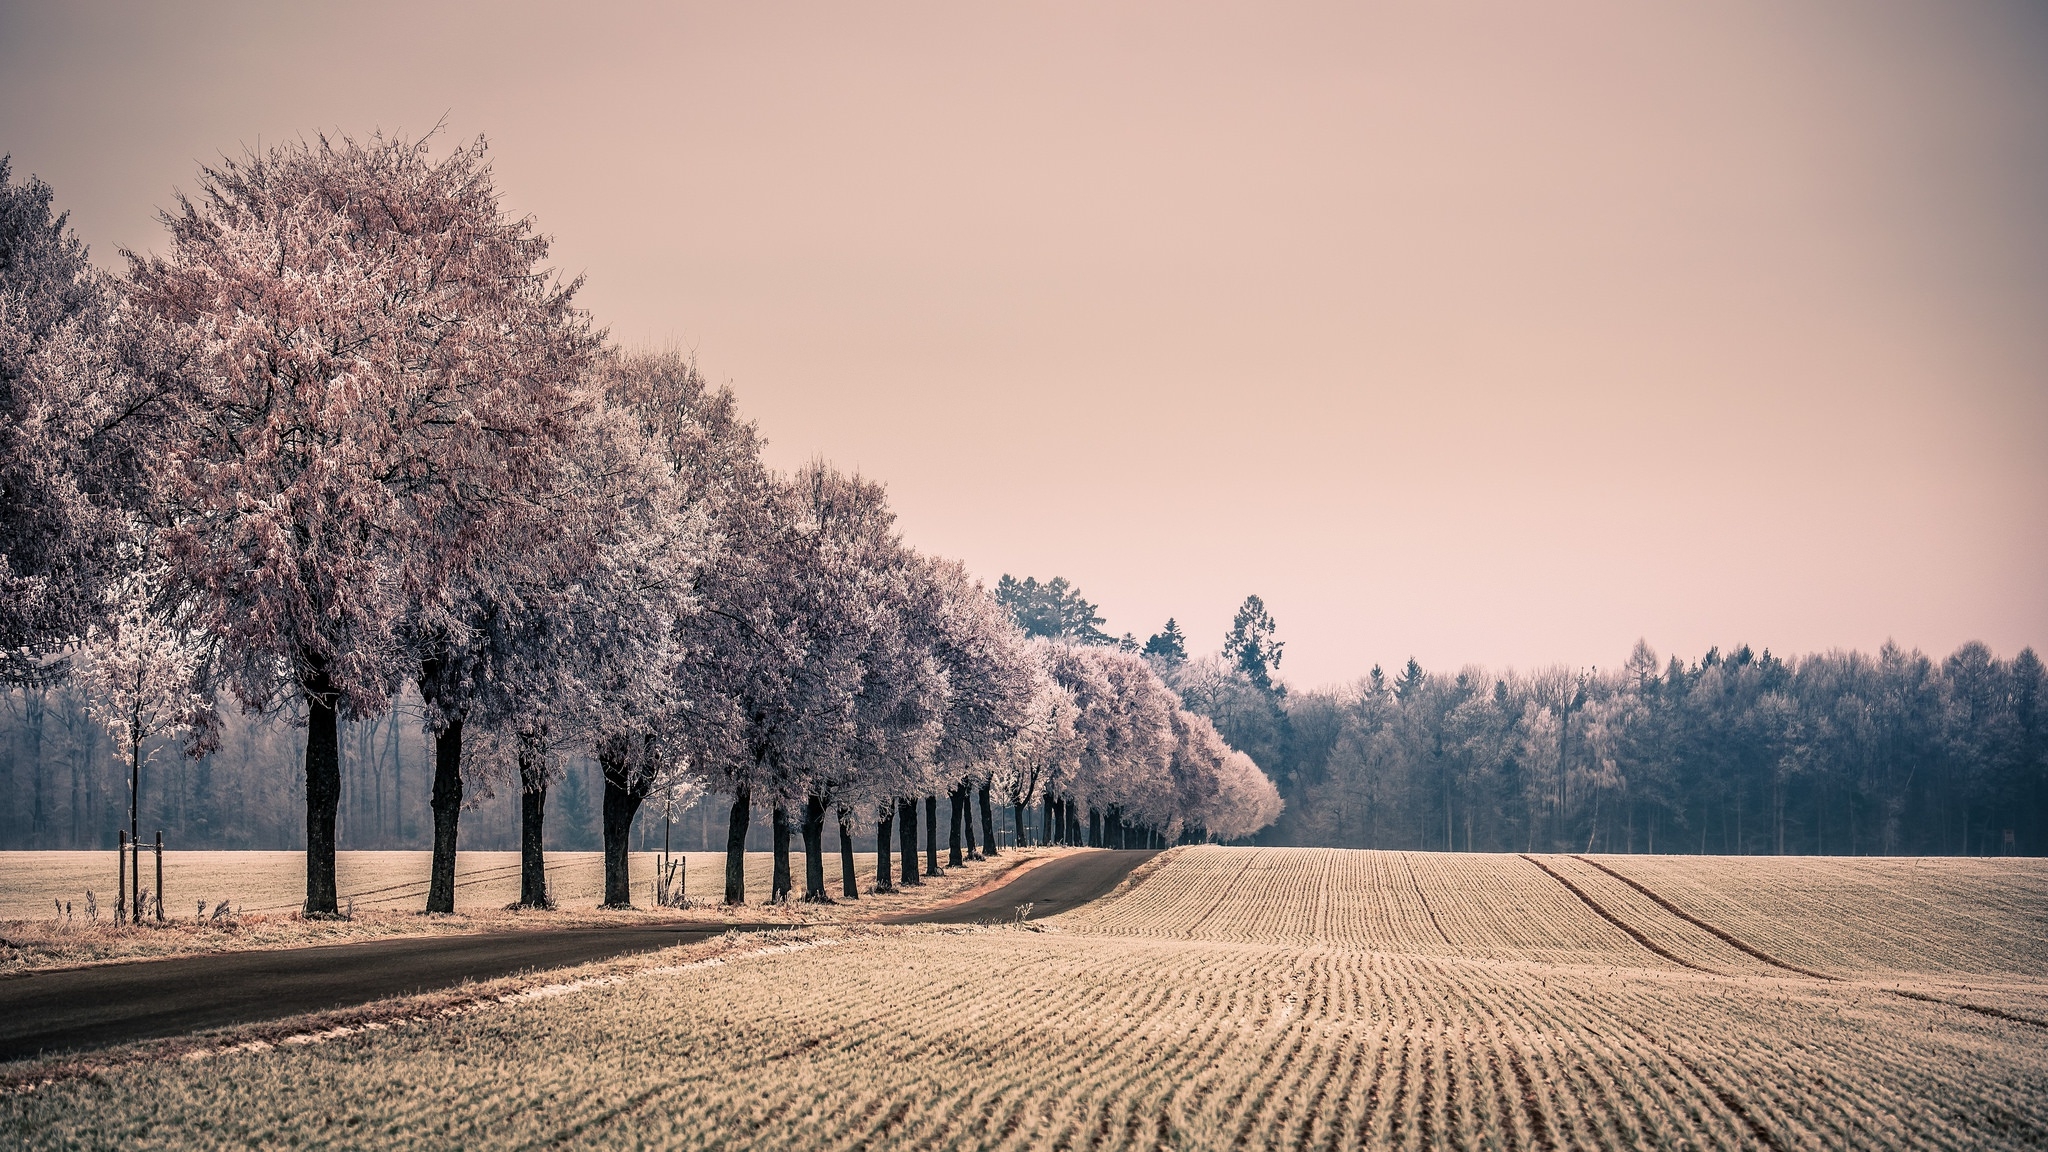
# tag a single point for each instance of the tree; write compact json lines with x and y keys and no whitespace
{"x":368,"y":360}
{"x":1044,"y":744}
{"x":713,"y":470}
{"x":1168,"y":645}
{"x":594,"y":639}
{"x":71,"y":416}
{"x":1053,"y":609}
{"x":787,"y":616}
{"x":988,"y":684}
{"x":140,"y":672}
{"x":1250,"y":646}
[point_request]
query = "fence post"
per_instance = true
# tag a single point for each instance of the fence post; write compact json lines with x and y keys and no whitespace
{"x":121,"y":866}
{"x":159,"y":875}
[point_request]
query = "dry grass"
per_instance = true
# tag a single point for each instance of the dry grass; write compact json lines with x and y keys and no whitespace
{"x":387,"y":890}
{"x":1269,"y":999}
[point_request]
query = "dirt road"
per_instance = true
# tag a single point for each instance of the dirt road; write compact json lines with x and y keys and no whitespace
{"x":82,"y":1008}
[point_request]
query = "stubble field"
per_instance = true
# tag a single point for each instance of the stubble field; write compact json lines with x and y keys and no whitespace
{"x":1225,"y":998}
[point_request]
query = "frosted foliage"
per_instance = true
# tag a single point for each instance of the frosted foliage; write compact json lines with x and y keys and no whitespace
{"x":1109,"y":733}
{"x":386,"y":447}
{"x":1044,"y":738}
{"x":576,"y":636}
{"x":140,"y":672}
{"x":67,"y":412}
{"x":989,"y":673}
{"x":794,"y":659}
{"x":371,"y":365}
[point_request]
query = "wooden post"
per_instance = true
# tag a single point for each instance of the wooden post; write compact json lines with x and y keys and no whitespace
{"x":159,"y":875}
{"x":121,"y":866}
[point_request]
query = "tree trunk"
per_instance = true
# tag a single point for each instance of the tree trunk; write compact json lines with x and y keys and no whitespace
{"x":533,"y":874}
{"x":1094,"y":827}
{"x":134,"y":816}
{"x":959,"y":805}
{"x":778,"y":884}
{"x":906,"y":832}
{"x":849,"y":887}
{"x":931,"y":836}
{"x":885,"y":824}
{"x":447,"y":814}
{"x":736,"y":847}
{"x":621,"y":804}
{"x":814,"y":851}
{"x":323,"y":798}
{"x":988,"y":822}
{"x":967,"y":820}
{"x":1017,"y":815}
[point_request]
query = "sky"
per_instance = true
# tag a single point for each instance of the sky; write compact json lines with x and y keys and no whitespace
{"x":1476,"y":332}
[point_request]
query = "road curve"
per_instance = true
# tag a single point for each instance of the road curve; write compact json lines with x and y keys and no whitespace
{"x":82,"y":1008}
{"x":1058,"y":885}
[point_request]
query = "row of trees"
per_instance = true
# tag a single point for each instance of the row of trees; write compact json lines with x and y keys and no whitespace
{"x":347,"y":438}
{"x":1835,"y":753}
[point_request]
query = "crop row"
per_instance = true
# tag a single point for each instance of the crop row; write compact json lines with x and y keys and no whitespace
{"x":1865,"y":916}
{"x":1747,"y":916}
{"x":998,"y":1038}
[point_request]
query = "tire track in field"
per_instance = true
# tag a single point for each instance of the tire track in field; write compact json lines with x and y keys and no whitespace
{"x":1725,"y":937}
{"x":1617,"y":921}
{"x":1980,"y":1009}
{"x":1732,"y":941}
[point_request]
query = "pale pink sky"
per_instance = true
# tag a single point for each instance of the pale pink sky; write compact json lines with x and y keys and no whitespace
{"x":1501,"y":332}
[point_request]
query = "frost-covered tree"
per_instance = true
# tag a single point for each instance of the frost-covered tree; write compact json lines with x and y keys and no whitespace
{"x":715,"y":478}
{"x":866,"y":672}
{"x":578,"y":659}
{"x":139,"y":673}
{"x":776,"y":648}
{"x":370,"y":364}
{"x":1044,"y":745}
{"x":988,"y":675}
{"x":894,"y":722}
{"x":71,"y":418}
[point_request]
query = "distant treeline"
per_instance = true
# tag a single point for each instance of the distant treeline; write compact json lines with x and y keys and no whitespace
{"x":1839,"y":753}
{"x":1737,"y":753}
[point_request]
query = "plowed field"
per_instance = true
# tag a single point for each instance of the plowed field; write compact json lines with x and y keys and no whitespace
{"x":1230,"y":998}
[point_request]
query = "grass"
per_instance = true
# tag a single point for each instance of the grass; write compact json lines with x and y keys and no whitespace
{"x":386,"y":891}
{"x":1232,"y":998}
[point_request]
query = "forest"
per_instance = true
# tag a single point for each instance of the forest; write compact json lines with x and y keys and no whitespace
{"x":1737,"y":753}
{"x":340,"y":502}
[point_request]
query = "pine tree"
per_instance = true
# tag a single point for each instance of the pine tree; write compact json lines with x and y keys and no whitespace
{"x":1250,"y":646}
{"x":1168,"y":644}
